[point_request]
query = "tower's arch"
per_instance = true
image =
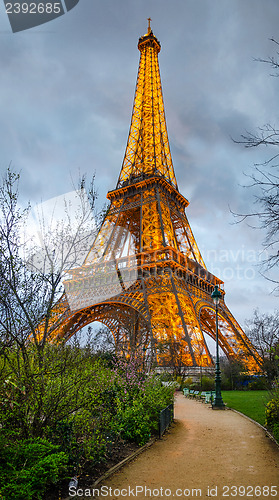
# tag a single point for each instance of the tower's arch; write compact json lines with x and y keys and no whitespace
{"x":127,"y":324}
{"x":232,"y":338}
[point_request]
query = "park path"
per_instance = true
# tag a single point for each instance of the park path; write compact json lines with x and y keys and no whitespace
{"x":207,"y":453}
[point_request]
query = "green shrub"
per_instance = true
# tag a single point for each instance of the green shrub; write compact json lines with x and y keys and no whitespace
{"x":68,"y":409}
{"x":27,"y":467}
{"x":155,"y":398}
{"x":188,"y":382}
{"x":51,"y":390}
{"x":138,"y":417}
{"x":208,"y":383}
{"x":90,"y":434}
{"x":135,"y":424}
{"x":179,"y":382}
{"x":272,"y":413}
{"x":258,"y":384}
{"x":226,"y":384}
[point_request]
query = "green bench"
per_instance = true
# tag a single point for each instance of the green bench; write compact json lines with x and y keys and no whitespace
{"x":203,"y":395}
{"x":212,"y":396}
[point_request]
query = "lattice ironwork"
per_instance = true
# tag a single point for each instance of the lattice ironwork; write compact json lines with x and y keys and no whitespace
{"x":148,"y":151}
{"x":144,"y":276}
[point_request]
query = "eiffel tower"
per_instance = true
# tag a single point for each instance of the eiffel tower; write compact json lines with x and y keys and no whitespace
{"x":144,"y":276}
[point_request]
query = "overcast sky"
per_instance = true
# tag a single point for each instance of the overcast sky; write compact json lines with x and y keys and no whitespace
{"x":67,"y":88}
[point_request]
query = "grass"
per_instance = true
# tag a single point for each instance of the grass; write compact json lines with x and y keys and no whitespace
{"x":251,"y":403}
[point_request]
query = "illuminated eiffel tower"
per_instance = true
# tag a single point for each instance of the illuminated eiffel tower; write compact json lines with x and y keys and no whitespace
{"x":144,"y":276}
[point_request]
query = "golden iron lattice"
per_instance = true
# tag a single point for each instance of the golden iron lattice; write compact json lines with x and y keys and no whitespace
{"x":144,"y":276}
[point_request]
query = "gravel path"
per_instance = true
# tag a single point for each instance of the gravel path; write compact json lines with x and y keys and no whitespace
{"x":207,"y":453}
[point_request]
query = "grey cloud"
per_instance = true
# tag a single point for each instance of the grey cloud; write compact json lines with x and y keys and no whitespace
{"x":67,"y":88}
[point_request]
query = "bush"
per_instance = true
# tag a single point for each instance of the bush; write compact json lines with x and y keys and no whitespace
{"x":138,"y":417}
{"x":155,"y":398}
{"x":258,"y":384}
{"x":134,"y":423}
{"x":187,"y":382}
{"x":272,"y":413}
{"x":27,"y":467}
{"x":68,"y":409}
{"x":51,"y":390}
{"x":226,"y":384}
{"x":179,"y":382}
{"x":272,"y":417}
{"x":208,"y":384}
{"x":90,"y":433}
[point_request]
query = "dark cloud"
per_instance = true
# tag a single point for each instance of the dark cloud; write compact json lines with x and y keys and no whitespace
{"x":66,"y":94}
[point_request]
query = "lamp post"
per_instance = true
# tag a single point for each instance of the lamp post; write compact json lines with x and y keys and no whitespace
{"x":218,"y":403}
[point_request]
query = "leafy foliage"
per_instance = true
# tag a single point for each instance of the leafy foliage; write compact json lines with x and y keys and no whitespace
{"x":272,"y":413}
{"x":69,"y":408}
{"x":28,"y":466}
{"x":138,"y":402}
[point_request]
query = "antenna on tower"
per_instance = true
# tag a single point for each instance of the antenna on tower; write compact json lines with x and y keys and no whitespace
{"x":149,"y":28}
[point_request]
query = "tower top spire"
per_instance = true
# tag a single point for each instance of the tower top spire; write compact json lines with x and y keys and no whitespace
{"x":147,"y":152}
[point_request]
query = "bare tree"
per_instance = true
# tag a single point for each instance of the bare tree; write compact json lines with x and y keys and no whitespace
{"x":171,"y":355}
{"x":233,"y":370}
{"x":263,"y":330}
{"x":265,"y":178}
{"x":102,"y":340}
{"x":267,"y":135}
{"x":30,"y":288}
{"x":31,"y":274}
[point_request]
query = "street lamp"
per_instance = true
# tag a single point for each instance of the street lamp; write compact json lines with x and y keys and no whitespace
{"x":218,"y":403}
